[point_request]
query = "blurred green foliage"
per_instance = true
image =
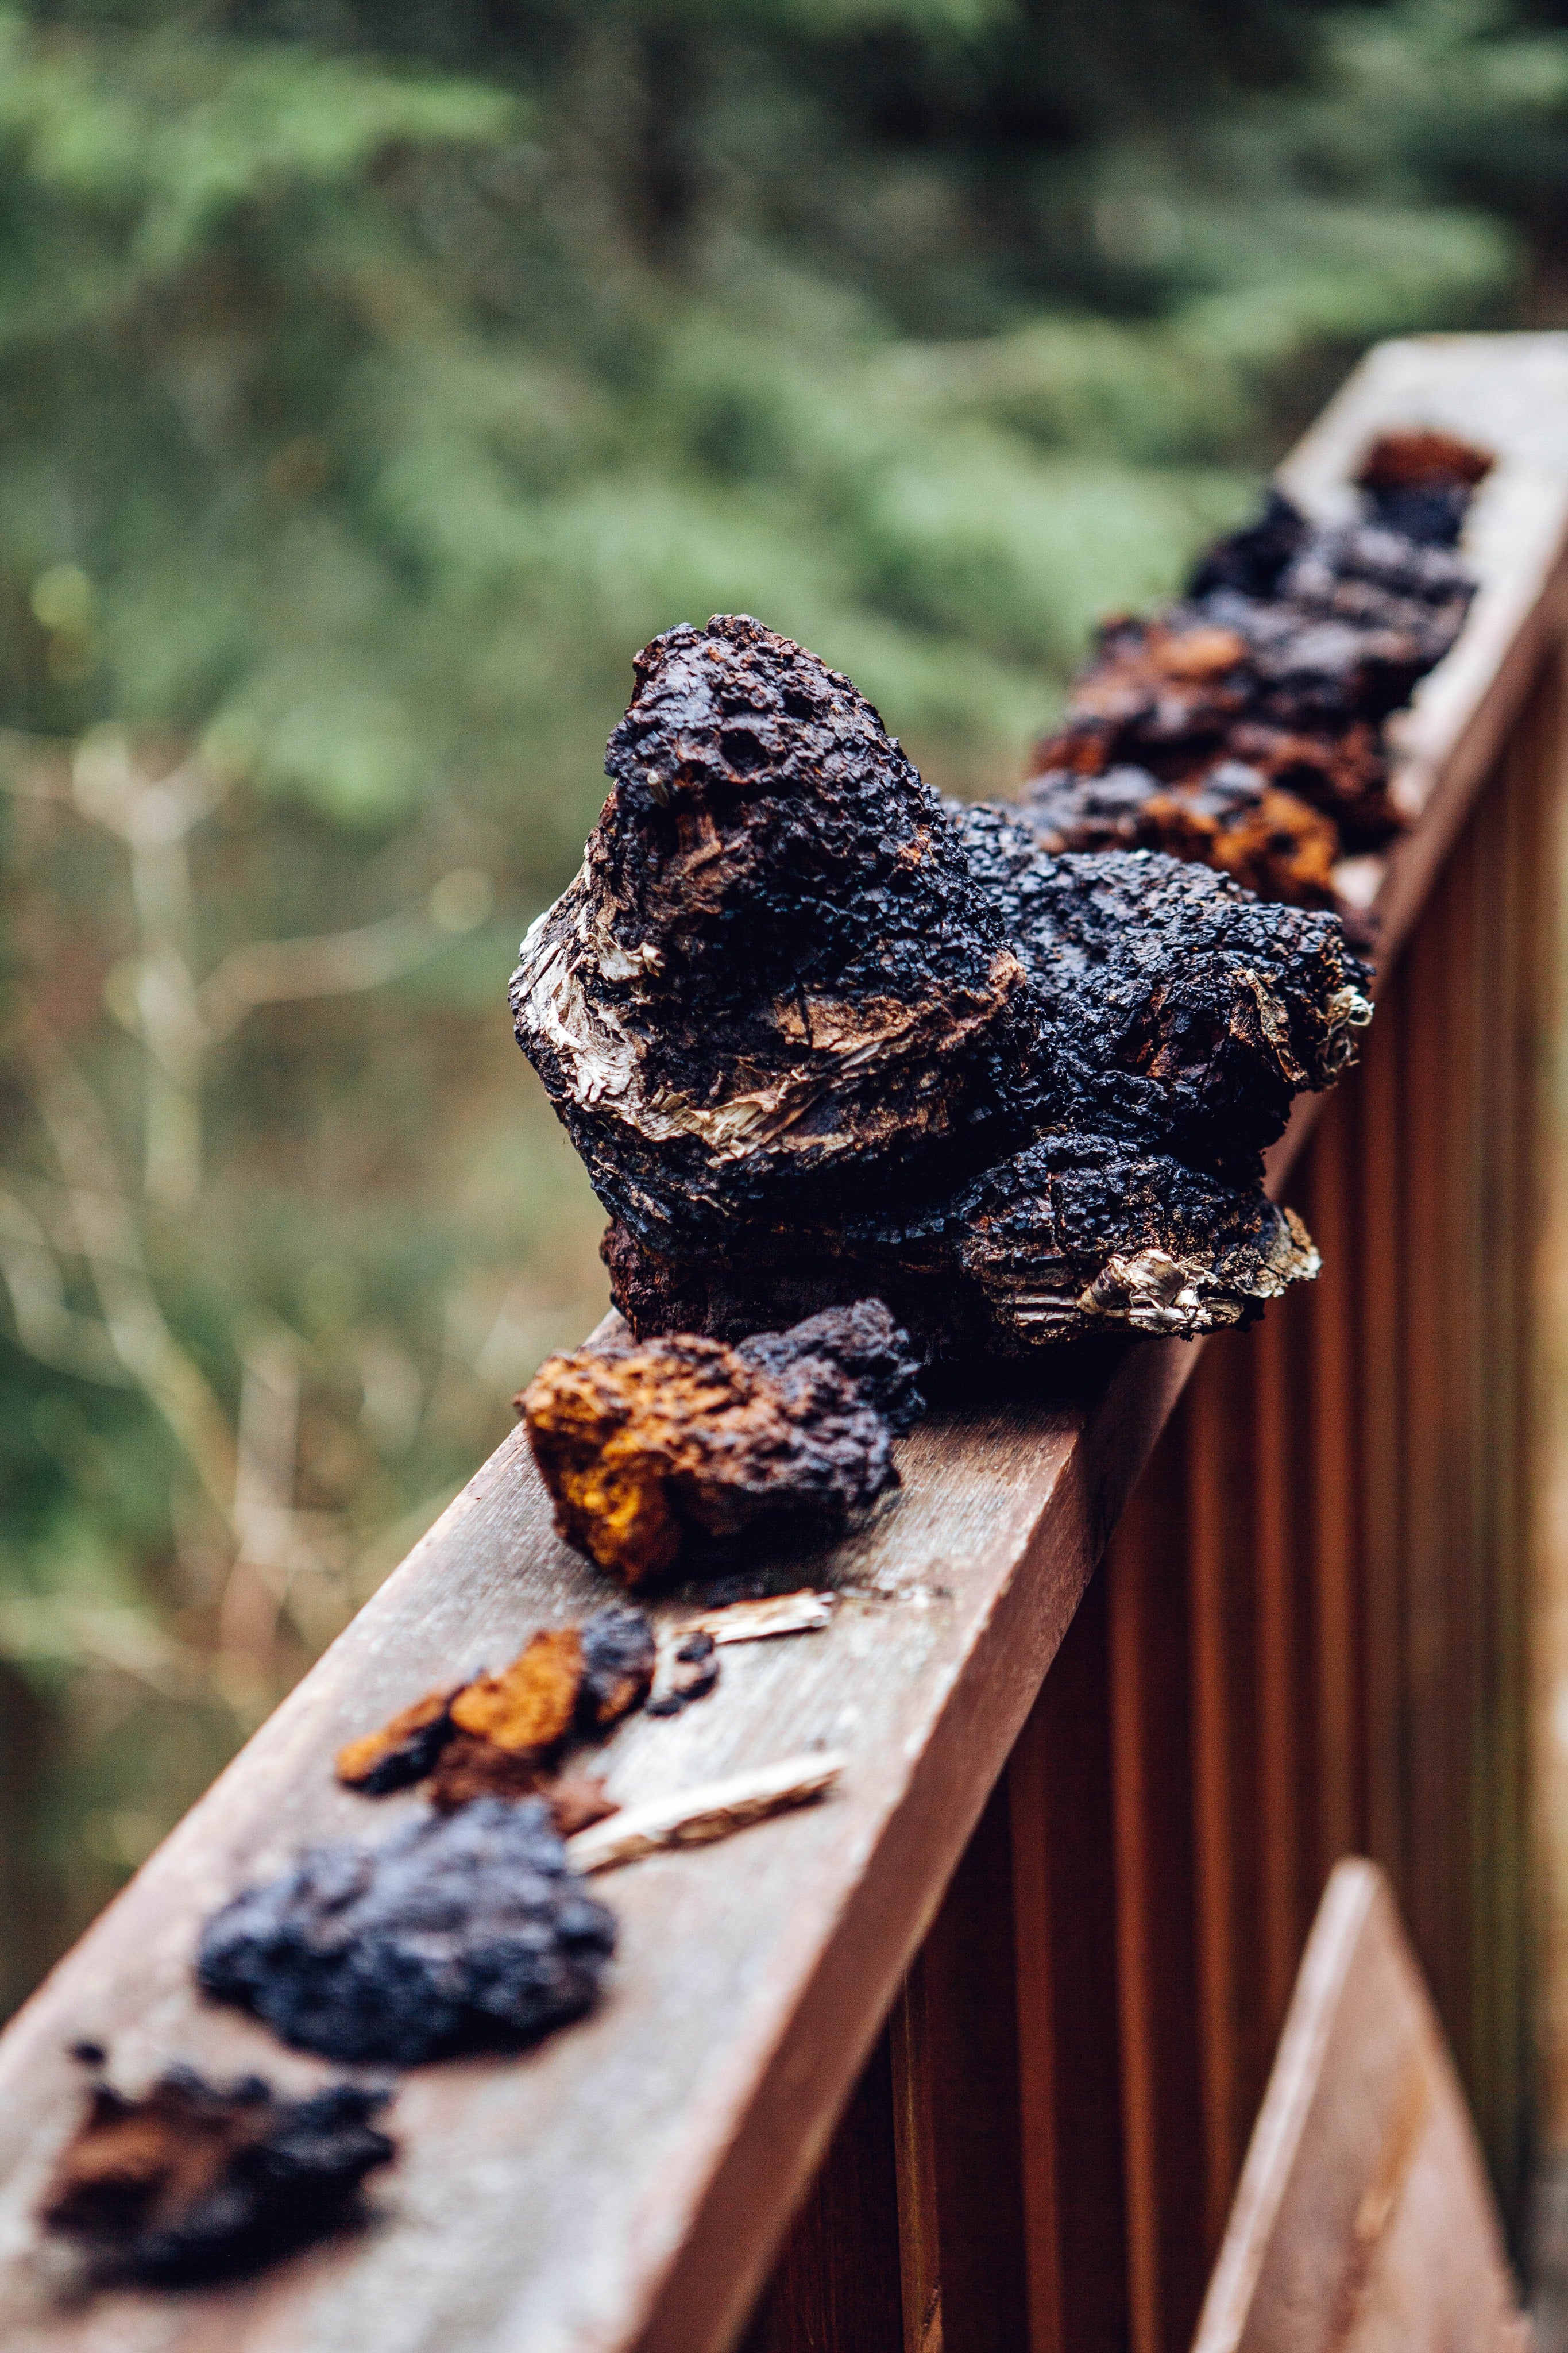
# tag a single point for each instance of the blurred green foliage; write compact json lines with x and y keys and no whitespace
{"x":374,"y":379}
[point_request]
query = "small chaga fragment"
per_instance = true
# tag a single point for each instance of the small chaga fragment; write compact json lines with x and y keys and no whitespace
{"x":694,"y":1673}
{"x":529,"y":1709}
{"x":1171,"y":686}
{"x":577,"y":1800}
{"x":619,"y":1655}
{"x":472,"y":1766}
{"x":820,"y":1038}
{"x":197,"y":2181}
{"x":1342,"y":773}
{"x":498,"y":1736}
{"x":1420,"y":483}
{"x":1231,"y":818}
{"x":1294,"y":644}
{"x":668,"y":1450}
{"x":463,"y":1931}
{"x":404,"y":1751}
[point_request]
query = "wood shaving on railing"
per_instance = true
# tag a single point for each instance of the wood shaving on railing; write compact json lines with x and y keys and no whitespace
{"x":778,"y":1613}
{"x":712,"y":1810}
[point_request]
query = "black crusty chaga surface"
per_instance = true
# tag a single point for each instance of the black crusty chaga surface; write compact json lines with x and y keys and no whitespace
{"x":460,"y":1931}
{"x":817,"y":1037}
{"x":194,"y":2181}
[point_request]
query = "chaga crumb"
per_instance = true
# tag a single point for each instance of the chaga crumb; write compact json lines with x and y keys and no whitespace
{"x":463,"y":1931}
{"x":498,"y":1736}
{"x":619,"y":1654}
{"x":693,"y":1677}
{"x":671,"y":1450}
{"x":1420,"y":483}
{"x":532,"y":1705}
{"x":404,"y":1751}
{"x":196,"y":2181}
{"x":470,"y":1767}
{"x":577,"y":1800}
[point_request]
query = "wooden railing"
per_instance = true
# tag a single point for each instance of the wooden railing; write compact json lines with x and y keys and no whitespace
{"x":965,"y":2058}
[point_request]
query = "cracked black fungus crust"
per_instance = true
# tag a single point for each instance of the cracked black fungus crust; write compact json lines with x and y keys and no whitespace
{"x":775,"y":980}
{"x":817,"y":1035}
{"x":461,"y":1932}
{"x":194,"y":2181}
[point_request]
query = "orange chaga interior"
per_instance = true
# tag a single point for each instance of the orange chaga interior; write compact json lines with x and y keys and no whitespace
{"x":616,"y":1432}
{"x":531,"y":1705}
{"x":359,"y":1760}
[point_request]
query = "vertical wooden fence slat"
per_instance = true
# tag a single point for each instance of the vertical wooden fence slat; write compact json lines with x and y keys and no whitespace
{"x":1065,"y":1921}
{"x":964,"y":1986}
{"x":1278,"y":1410}
{"x":836,"y":2284}
{"x":1330,"y":1446}
{"x":1157,"y":1948}
{"x":1373,"y":1106}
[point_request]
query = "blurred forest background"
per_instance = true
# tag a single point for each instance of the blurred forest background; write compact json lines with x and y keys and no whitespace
{"x":374,"y":380}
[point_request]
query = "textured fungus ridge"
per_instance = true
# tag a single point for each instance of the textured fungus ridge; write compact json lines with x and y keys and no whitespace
{"x":661,"y":1451}
{"x":462,"y":1932}
{"x":773,"y":979}
{"x":196,"y":2181}
{"x":818,"y":1036}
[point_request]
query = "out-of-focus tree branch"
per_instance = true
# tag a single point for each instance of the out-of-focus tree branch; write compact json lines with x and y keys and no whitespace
{"x":155,"y":993}
{"x":110,"y":1245}
{"x":48,"y":1327}
{"x":274,"y":972}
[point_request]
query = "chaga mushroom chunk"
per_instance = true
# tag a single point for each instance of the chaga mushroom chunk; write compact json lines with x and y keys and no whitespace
{"x":1231,"y":818}
{"x":1420,"y":483}
{"x":700,"y":1005}
{"x":668,"y":1450}
{"x":462,"y":1932}
{"x":500,"y":1735}
{"x":774,"y":983}
{"x":529,"y":1708}
{"x":196,"y":2181}
{"x":1295,"y":642}
{"x":619,"y":1655}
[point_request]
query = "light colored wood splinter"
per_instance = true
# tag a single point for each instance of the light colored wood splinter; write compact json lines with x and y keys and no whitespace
{"x":712,"y":1810}
{"x":779,"y":1613}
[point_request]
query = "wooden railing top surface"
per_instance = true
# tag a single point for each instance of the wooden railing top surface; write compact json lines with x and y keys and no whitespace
{"x":625,"y":2183}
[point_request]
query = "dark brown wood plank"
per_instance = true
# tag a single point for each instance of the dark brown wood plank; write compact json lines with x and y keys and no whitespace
{"x":1069,"y":2053}
{"x":835,"y":2284}
{"x":1157,"y":1935}
{"x":1363,"y":2219}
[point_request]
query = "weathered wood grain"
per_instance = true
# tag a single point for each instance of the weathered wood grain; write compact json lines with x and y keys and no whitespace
{"x":1363,"y":2219}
